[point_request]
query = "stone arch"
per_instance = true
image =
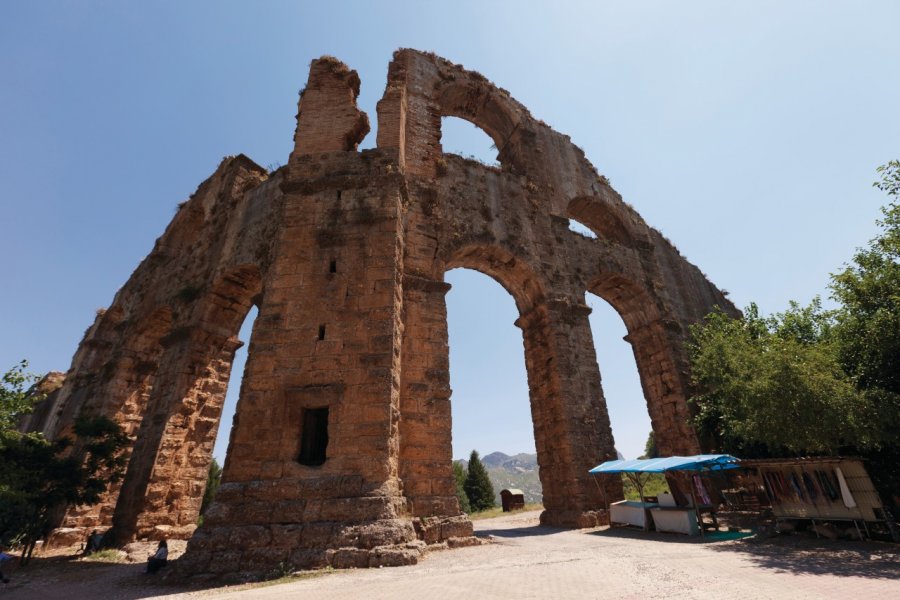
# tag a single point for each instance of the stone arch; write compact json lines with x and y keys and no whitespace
{"x":563,"y":381}
{"x":426,"y":452}
{"x":229,"y":299}
{"x":483,"y":106}
{"x":602,"y":219}
{"x":409,"y":116}
{"x":630,"y":299}
{"x":166,"y":475}
{"x":658,"y":347}
{"x":498,"y":263}
{"x":119,"y":386}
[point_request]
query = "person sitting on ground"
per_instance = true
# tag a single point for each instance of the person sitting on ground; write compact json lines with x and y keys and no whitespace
{"x":94,"y":543}
{"x":159,"y":559}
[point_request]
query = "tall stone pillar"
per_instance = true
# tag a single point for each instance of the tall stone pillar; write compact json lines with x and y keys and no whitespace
{"x":312,"y":474}
{"x":426,"y":448}
{"x":571,"y":426}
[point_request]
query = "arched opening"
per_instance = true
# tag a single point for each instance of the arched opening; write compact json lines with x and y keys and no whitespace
{"x":467,"y":140}
{"x":168,"y":467}
{"x":622,"y":387}
{"x":490,"y":403}
{"x":582,"y":229}
{"x":234,"y":387}
{"x":599,"y":218}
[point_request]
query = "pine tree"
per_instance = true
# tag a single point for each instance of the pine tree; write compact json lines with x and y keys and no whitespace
{"x":460,"y":474}
{"x":213,"y":479}
{"x":478,"y":485}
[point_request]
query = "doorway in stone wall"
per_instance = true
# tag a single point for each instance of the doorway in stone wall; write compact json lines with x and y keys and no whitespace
{"x":490,"y":404}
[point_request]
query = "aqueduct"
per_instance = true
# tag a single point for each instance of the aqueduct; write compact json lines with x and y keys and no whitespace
{"x":340,"y":452}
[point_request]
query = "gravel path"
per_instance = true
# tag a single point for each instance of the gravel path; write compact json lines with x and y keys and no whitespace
{"x":527,"y":561}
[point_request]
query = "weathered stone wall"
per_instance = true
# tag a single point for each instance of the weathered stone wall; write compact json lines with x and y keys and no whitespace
{"x":344,"y":253}
{"x":158,"y":359}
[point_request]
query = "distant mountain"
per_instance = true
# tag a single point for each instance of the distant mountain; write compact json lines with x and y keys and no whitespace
{"x":519,"y":471}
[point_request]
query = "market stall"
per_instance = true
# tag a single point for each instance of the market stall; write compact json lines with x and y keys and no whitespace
{"x":666,"y":516}
{"x":821,"y":489}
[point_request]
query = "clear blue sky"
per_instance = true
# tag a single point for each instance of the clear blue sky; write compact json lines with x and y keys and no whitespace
{"x":746,"y":131}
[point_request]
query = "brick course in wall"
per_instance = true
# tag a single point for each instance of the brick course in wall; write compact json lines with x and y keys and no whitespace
{"x":344,"y":254}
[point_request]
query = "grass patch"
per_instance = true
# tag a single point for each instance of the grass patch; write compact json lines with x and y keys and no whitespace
{"x":497,"y":511}
{"x":654,"y":484}
{"x":107,"y":555}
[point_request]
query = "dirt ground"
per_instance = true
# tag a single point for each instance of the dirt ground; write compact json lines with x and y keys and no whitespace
{"x":527,"y":561}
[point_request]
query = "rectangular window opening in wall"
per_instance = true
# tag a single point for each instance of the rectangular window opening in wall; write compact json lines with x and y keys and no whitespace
{"x":321,"y":332}
{"x":339,"y":194}
{"x":314,"y":437}
{"x":332,"y":267}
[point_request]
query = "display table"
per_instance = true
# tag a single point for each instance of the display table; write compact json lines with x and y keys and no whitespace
{"x":630,"y":512}
{"x":675,"y":519}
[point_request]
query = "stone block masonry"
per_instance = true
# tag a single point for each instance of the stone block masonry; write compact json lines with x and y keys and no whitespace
{"x":340,"y":452}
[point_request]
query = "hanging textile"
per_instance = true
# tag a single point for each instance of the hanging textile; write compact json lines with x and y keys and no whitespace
{"x":782,"y":485}
{"x":829,"y":485}
{"x":701,"y":491}
{"x":795,"y":485}
{"x":768,"y":487}
{"x":849,"y":502}
{"x":810,"y":487}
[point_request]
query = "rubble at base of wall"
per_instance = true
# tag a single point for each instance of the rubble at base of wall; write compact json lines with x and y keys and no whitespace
{"x":246,"y":553}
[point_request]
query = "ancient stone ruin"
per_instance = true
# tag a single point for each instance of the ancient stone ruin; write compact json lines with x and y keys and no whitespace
{"x":340,"y":452}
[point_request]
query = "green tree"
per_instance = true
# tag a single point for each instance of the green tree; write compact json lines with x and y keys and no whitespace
{"x":775,"y":385}
{"x":813,"y":381}
{"x":650,"y":450}
{"x":15,"y":400}
{"x":478,"y":485}
{"x":868,"y":332}
{"x":460,"y":474}
{"x":213,"y":479}
{"x":39,"y":477}
{"x":868,"y":324}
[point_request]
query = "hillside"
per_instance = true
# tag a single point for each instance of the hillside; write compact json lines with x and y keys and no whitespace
{"x":519,"y":471}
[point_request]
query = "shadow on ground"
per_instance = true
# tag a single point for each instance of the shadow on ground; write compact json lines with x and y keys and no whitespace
{"x":519,"y":532}
{"x":632,"y":533}
{"x":68,"y":577}
{"x":798,"y":554}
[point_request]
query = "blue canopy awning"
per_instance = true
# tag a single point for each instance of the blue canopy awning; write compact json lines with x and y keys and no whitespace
{"x":701,"y":462}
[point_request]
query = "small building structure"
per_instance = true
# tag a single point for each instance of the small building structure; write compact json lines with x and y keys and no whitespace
{"x":512,"y":499}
